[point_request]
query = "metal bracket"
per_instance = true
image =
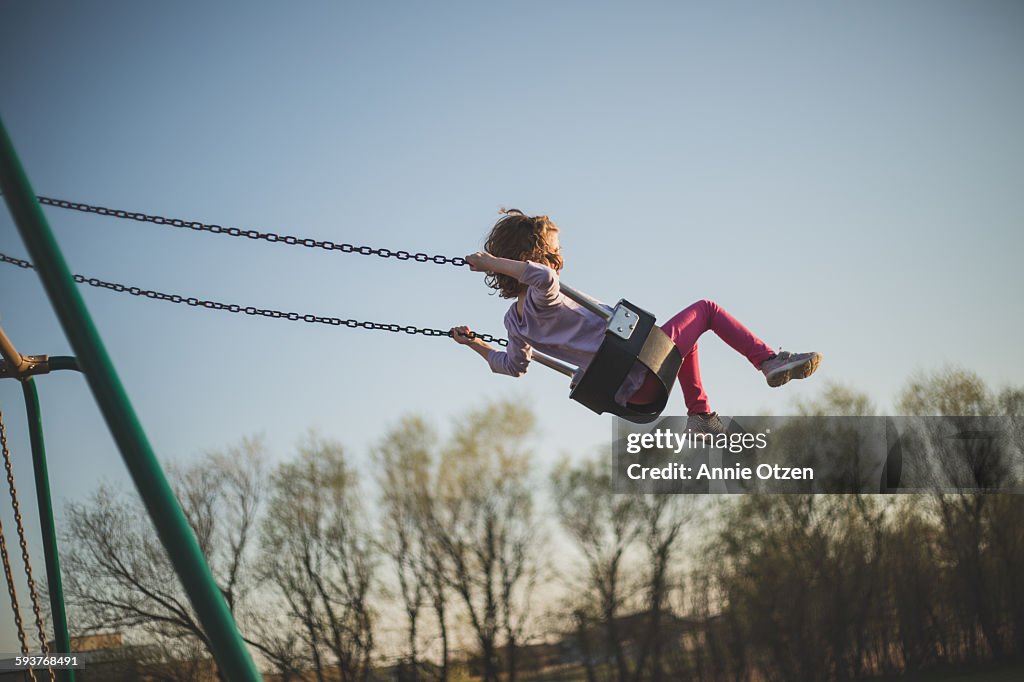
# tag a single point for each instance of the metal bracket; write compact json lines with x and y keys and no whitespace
{"x":31,"y":365}
{"x":623,"y":321}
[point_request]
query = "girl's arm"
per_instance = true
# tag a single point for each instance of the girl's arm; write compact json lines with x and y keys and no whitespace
{"x":462,"y":336}
{"x":512,"y":362}
{"x":481,"y":261}
{"x":542,"y":280}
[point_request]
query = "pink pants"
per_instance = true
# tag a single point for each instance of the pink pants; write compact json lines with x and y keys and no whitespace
{"x":684,"y":329}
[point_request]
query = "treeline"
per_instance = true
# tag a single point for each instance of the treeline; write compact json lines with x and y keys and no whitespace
{"x":850,"y":586}
{"x":315,"y":567}
{"x":463,"y":557}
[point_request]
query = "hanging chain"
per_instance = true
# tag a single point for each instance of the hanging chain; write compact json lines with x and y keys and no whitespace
{"x":291,"y":240}
{"x":9,"y":575}
{"x":45,"y":649}
{"x":252,"y":310}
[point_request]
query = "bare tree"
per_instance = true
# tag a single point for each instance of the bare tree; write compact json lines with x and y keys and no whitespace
{"x":117,"y":574}
{"x":221,"y":498}
{"x":483,"y":520}
{"x":604,"y":527}
{"x":955,"y":392}
{"x":404,"y":460}
{"x":837,"y":400}
{"x":433,"y":566}
{"x":660,"y":522}
{"x":950,"y":391}
{"x":272,"y":632}
{"x":317,"y":554}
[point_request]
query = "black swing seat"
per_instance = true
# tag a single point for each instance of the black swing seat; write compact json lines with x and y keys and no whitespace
{"x":631,"y":337}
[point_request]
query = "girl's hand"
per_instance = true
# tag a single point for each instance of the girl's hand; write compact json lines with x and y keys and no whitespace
{"x":461,"y":335}
{"x":480,"y":261}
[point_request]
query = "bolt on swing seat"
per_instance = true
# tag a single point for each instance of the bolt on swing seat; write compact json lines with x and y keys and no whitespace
{"x":630,"y":337}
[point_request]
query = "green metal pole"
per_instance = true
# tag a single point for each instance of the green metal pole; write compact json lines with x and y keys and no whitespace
{"x":232,"y":657}
{"x":61,"y":639}
{"x":63,"y":362}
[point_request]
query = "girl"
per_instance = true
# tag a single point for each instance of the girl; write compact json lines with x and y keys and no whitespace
{"x":522,"y":260}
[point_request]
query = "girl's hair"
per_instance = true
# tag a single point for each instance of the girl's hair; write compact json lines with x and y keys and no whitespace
{"x":518,"y":236}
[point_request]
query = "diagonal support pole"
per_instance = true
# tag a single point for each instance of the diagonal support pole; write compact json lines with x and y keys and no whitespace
{"x":179,"y":541}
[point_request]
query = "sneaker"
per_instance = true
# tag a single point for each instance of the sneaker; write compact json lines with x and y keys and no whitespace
{"x":705,"y":423}
{"x":785,"y":366}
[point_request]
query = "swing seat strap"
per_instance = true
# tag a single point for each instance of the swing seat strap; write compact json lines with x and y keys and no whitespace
{"x":646,"y":344}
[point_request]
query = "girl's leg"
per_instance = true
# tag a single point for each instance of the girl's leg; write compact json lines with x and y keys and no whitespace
{"x":689,"y":380}
{"x":685,"y":328}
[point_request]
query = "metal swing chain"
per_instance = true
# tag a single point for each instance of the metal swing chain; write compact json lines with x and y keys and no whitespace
{"x":291,"y":240}
{"x":45,"y":649}
{"x":9,"y":575}
{"x":260,"y":312}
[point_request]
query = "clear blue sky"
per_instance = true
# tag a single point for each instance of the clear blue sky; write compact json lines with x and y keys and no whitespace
{"x":842,"y":177}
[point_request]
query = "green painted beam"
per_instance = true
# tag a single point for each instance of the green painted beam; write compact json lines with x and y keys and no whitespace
{"x":61,"y":639}
{"x":177,"y":537}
